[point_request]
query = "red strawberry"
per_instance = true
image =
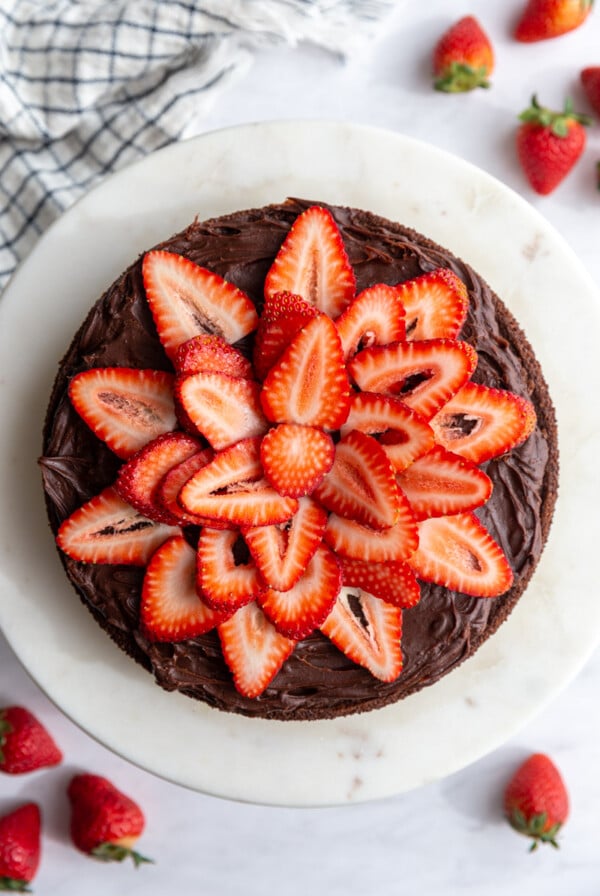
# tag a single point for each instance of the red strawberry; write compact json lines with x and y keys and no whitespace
{"x":480,"y":423}
{"x":309,"y":384}
{"x":375,"y":317}
{"x":401,"y":432}
{"x":25,"y":745}
{"x":590,"y":78}
{"x":171,"y":609}
{"x":20,"y":848}
{"x":296,"y":458}
{"x":107,"y":529}
{"x":124,"y":407}
{"x":298,"y":611}
{"x":105,"y":823}
{"x":393,"y":582}
{"x":350,"y":539}
{"x":139,"y":479}
{"x":459,"y":553}
{"x":436,"y":305}
{"x":424,"y":374}
{"x":170,"y":485}
{"x":282,"y":553}
{"x":223,"y":408}
{"x":442,"y":483}
{"x":368,"y":631}
{"x":284,"y":315}
{"x":543,"y":19}
{"x":211,"y":353}
{"x":312,"y":263}
{"x":253,"y":649}
{"x":463,"y":57}
{"x":225,"y":582}
{"x":536,"y":801}
{"x":361,"y":484}
{"x":549,"y":144}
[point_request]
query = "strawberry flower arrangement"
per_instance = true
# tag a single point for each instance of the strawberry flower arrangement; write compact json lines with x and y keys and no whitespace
{"x":310,"y":482}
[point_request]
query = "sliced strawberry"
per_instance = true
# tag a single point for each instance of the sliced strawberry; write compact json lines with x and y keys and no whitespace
{"x":171,"y":609}
{"x":393,"y":582}
{"x":442,"y":483}
{"x":298,"y":611}
{"x":139,"y":479}
{"x":309,"y":384}
{"x":436,"y":305}
{"x":224,"y":581}
{"x":361,"y":484}
{"x":223,"y":408}
{"x":167,"y":494}
{"x":231,"y":489}
{"x":282,"y":553}
{"x":459,"y":553}
{"x":375,"y":317}
{"x":283,"y":316}
{"x":350,"y":539}
{"x":312,"y":263}
{"x":124,"y":407}
{"x":187,"y":300}
{"x":253,"y":649}
{"x":211,"y":353}
{"x":425,"y":375}
{"x":403,"y":434}
{"x":480,"y":422}
{"x":368,"y":631}
{"x":296,"y":458}
{"x":106,"y":529}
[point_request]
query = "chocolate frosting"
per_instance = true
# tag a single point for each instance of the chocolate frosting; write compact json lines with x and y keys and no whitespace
{"x":317,"y":681}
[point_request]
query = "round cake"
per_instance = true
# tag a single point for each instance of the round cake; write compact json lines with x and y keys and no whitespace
{"x":441,"y":625}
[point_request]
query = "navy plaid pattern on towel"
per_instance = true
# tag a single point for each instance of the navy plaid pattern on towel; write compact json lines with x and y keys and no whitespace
{"x":87,"y":87}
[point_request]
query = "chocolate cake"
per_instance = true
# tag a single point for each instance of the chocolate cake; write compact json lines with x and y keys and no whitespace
{"x":317,"y":680}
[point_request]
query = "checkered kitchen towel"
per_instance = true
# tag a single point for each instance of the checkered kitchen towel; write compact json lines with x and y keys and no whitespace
{"x":88,"y":86}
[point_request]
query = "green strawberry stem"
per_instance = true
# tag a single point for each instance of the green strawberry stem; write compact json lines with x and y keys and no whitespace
{"x":558,"y":122}
{"x":5,"y":728}
{"x":112,"y":852}
{"x":12,"y":885}
{"x":534,"y":827}
{"x":460,"y":77}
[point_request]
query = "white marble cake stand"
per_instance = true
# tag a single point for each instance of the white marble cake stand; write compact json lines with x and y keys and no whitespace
{"x":425,"y":737}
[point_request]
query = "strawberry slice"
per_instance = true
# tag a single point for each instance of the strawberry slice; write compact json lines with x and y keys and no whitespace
{"x":361,"y":484}
{"x":106,"y":529}
{"x":312,"y":263}
{"x":425,"y":375}
{"x":436,"y":305}
{"x":403,"y":434}
{"x":167,"y":493}
{"x":298,"y":611}
{"x":283,"y":316}
{"x":139,"y":479}
{"x":223,"y":408}
{"x":124,"y":407}
{"x":375,"y":317}
{"x":231,"y":489}
{"x":225,"y":581}
{"x":442,"y":483}
{"x":309,"y":384}
{"x":296,"y":458}
{"x":459,"y":553}
{"x":480,"y":423}
{"x":282,"y":553}
{"x":253,"y":649}
{"x":368,"y":631}
{"x":211,"y":353}
{"x":171,"y":609}
{"x":187,"y":300}
{"x":349,"y":539}
{"x":393,"y":582}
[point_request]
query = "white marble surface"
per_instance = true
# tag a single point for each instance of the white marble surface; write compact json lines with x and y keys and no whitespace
{"x":447,"y":837}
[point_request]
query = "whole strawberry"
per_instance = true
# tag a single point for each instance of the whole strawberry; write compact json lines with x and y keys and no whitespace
{"x":19,"y":848}
{"x":543,"y":19}
{"x":549,"y":144}
{"x":463,"y":57}
{"x":105,"y":823}
{"x":590,"y":78}
{"x":25,"y":745}
{"x":536,"y":801}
